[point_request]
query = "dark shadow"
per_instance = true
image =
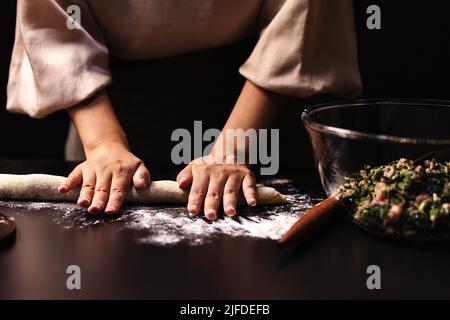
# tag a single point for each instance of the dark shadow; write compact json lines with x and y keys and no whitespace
{"x":7,"y":243}
{"x":322,"y":238}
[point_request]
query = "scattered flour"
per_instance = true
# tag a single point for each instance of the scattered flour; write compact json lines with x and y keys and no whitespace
{"x":170,"y":226}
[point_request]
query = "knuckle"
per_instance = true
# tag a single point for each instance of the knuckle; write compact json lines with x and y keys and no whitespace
{"x":198,"y":192}
{"x":236,"y":171}
{"x":213,"y":195}
{"x":101,"y":189}
{"x":122,"y":168}
{"x":88,"y":187}
{"x":210,"y":167}
{"x":231,"y":192}
{"x":118,"y":191}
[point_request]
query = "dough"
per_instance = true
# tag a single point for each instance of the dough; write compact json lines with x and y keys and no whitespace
{"x":45,"y":187}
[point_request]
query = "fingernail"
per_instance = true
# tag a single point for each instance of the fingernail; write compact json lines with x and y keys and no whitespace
{"x":62,"y":188}
{"x":211,"y":215}
{"x":230,"y":211}
{"x":193,"y":209}
{"x":83,"y":202}
{"x":110,"y":211}
{"x":93,"y":210}
{"x":252,"y":202}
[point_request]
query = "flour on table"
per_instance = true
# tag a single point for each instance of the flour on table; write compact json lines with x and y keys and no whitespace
{"x":171,"y":225}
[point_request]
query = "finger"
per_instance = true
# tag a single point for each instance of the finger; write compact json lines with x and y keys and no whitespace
{"x":119,"y":188}
{"x":198,"y":192}
{"x":141,"y":178}
{"x":230,"y":196}
{"x":184,"y":178}
{"x":87,"y":188}
{"x":249,"y":188}
{"x":214,"y":196}
{"x":101,"y":193}
{"x":73,"y":180}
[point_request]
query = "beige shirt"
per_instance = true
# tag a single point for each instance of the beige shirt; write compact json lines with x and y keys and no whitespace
{"x":305,"y":46}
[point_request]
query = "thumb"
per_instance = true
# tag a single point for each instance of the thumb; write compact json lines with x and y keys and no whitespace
{"x":184,"y":178}
{"x":141,"y":178}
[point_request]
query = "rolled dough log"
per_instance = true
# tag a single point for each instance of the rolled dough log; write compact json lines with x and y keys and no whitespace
{"x":45,"y":187}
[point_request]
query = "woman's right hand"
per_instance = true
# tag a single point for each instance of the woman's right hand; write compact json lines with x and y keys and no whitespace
{"x":110,"y":168}
{"x":106,"y":176}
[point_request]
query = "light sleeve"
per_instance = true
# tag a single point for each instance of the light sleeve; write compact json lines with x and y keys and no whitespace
{"x":52,"y":66}
{"x":306,"y":47}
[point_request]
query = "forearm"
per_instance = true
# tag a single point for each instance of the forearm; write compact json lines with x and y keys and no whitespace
{"x":256,"y":108}
{"x":110,"y":168}
{"x":97,"y":123}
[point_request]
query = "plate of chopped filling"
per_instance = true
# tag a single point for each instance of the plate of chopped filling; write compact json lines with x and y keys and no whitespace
{"x":404,"y":198}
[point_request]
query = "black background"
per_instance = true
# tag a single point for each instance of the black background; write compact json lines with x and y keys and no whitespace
{"x":407,"y":58}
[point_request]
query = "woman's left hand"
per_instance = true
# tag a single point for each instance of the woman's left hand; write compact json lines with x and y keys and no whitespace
{"x":213,"y":182}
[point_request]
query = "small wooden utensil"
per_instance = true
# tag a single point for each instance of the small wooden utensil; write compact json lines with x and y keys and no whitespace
{"x":309,"y":223}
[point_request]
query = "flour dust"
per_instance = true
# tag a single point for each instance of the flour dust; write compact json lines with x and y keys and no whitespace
{"x":162,"y":225}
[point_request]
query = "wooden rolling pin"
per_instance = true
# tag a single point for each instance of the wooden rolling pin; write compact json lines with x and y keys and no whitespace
{"x":311,"y":222}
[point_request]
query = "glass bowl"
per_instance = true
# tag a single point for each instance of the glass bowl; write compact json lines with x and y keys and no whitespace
{"x":347,"y":136}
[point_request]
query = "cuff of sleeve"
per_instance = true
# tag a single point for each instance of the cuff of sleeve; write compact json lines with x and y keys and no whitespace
{"x":52,"y":67}
{"x":300,"y":55}
{"x":24,"y":98}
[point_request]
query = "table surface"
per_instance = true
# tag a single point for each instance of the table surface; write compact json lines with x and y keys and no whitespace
{"x":333,"y":266}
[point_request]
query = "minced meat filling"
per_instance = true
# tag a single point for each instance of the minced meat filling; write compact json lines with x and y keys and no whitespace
{"x":402,"y":197}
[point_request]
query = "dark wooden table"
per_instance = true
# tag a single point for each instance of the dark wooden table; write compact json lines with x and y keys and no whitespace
{"x":114,"y":266}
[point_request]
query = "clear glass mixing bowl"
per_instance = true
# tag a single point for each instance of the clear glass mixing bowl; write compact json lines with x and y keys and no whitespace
{"x":346,"y":136}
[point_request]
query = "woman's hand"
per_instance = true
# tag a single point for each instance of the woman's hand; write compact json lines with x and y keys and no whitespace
{"x":106,"y":176}
{"x":213,"y":182}
{"x":110,"y":168}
